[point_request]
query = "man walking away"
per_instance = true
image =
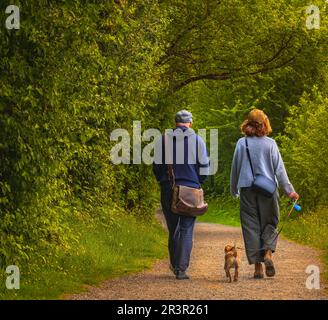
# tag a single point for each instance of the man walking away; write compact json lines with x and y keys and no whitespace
{"x":190,"y":167}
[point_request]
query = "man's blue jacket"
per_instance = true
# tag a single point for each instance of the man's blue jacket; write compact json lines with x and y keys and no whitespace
{"x":190,"y":158}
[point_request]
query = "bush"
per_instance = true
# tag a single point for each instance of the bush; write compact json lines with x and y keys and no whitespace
{"x":304,"y":148}
{"x":68,"y":77}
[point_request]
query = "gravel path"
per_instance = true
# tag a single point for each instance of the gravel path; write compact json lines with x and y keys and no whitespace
{"x":208,"y":277}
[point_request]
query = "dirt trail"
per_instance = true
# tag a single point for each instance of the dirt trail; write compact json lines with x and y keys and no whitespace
{"x":208,"y":277}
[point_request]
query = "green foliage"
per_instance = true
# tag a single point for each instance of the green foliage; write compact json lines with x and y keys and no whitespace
{"x":230,"y":39}
{"x":222,"y":210}
{"x":265,"y":58}
{"x":304,"y":148}
{"x":75,"y":71}
{"x":311,"y":229}
{"x":102,"y":252}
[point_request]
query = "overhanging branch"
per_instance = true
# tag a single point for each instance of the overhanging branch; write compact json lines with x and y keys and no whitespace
{"x":211,"y":76}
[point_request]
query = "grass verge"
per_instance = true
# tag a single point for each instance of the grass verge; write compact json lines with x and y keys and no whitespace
{"x":311,"y":228}
{"x":101,"y":253}
{"x":222,"y":210}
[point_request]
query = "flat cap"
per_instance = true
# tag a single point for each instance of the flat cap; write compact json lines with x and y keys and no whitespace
{"x":183,"y":116}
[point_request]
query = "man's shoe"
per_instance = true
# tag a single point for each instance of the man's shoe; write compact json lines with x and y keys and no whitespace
{"x":258,"y":274}
{"x":269,"y":266}
{"x":181,"y":275}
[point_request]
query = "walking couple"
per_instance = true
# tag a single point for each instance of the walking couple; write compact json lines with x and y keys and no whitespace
{"x":255,"y":154}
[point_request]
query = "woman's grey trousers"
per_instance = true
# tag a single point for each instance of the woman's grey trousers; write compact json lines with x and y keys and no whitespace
{"x":259,"y":217}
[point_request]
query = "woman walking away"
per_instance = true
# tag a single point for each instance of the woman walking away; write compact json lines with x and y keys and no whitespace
{"x":257,"y":168}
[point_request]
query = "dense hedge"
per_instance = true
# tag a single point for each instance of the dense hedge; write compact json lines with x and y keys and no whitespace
{"x":74,"y":71}
{"x":305,"y":149}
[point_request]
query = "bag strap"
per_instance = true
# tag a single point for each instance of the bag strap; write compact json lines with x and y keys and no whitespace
{"x":249,"y":157}
{"x":171,"y":175}
{"x":170,"y":171}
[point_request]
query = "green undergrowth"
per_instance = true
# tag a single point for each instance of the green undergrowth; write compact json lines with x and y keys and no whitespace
{"x":101,"y":252}
{"x":222,"y":210}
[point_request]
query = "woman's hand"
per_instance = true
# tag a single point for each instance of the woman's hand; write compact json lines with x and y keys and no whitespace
{"x":293,"y":195}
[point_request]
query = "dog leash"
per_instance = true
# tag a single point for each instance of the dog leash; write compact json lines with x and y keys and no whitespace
{"x":289,"y":213}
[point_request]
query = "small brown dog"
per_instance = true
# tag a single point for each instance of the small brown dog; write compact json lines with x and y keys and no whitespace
{"x":232,"y":260}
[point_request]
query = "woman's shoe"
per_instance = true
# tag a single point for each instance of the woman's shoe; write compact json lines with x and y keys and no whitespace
{"x":258,"y":274}
{"x":269,"y":266}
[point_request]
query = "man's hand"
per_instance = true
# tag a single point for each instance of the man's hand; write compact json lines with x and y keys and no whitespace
{"x":294,"y":196}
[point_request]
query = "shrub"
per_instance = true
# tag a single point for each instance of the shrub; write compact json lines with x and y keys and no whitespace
{"x":305,"y":148}
{"x":68,"y":77}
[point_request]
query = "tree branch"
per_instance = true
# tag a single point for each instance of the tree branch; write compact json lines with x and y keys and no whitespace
{"x":211,"y":76}
{"x":227,"y":75}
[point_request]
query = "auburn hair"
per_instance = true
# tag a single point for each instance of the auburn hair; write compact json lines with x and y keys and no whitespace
{"x":257,"y":124}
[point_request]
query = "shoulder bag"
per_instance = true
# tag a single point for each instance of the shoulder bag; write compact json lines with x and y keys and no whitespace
{"x":186,"y":201}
